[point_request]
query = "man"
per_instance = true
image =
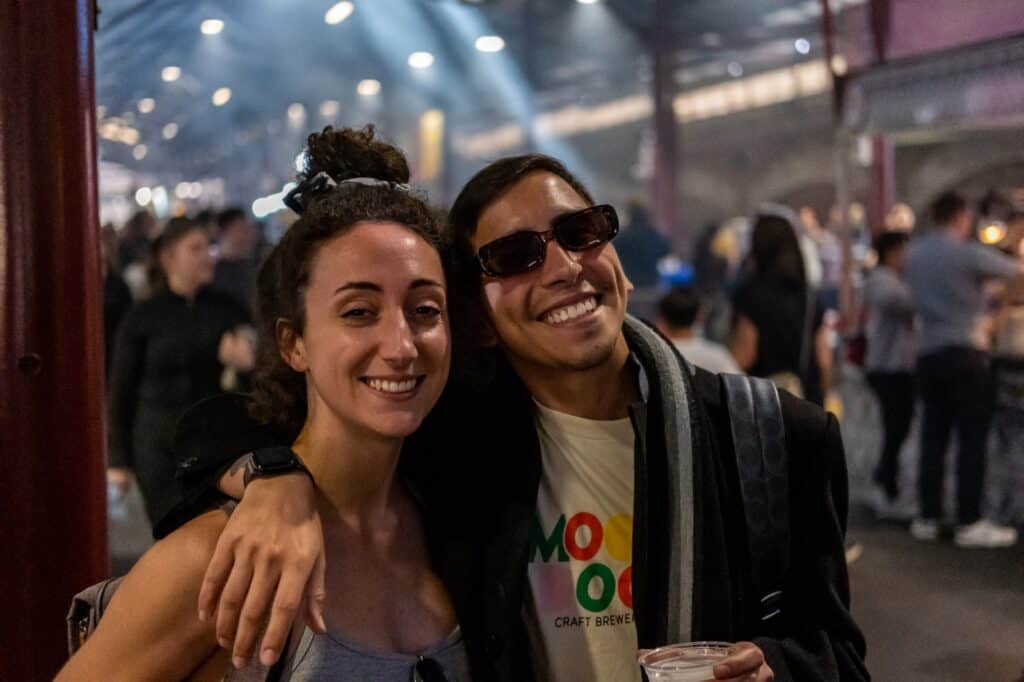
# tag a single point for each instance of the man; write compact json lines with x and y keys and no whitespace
{"x":679,"y":312}
{"x":947,"y":273}
{"x":235,"y":272}
{"x":891,"y":350}
{"x":584,"y":479}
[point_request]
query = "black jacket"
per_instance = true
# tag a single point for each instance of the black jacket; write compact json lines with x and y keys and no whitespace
{"x":474,"y":467}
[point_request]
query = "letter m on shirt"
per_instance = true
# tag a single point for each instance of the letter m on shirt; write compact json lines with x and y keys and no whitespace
{"x":546,"y":544}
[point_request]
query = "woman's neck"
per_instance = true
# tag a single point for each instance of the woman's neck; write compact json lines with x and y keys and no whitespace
{"x":181,"y":287}
{"x":355,"y":472}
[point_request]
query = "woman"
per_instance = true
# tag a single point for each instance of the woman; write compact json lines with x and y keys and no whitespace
{"x":355,"y":352}
{"x":171,"y":351}
{"x":777,"y":325}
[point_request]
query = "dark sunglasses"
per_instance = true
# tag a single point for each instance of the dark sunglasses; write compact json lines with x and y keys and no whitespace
{"x":523,"y":251}
{"x":428,"y":670}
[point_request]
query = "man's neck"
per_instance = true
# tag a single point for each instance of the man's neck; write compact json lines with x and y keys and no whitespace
{"x":603,"y":392}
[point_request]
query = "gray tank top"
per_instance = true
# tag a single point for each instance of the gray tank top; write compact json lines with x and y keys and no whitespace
{"x":328,"y":657}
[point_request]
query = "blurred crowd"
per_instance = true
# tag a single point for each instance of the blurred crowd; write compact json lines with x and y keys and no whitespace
{"x":934,"y":324}
{"x":178,"y":311}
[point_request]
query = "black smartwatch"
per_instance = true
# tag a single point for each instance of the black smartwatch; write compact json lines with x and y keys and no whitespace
{"x":266,"y":462}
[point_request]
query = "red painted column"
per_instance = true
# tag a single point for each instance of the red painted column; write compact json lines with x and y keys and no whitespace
{"x":883,"y":182}
{"x":51,"y":360}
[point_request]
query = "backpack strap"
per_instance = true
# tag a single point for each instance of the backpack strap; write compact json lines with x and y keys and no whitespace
{"x":759,"y":441}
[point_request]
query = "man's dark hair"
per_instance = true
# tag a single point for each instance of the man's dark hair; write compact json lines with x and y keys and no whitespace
{"x":228,"y":216}
{"x":888,"y":242}
{"x":481,"y":191}
{"x":947,"y":207}
{"x":680,"y":307}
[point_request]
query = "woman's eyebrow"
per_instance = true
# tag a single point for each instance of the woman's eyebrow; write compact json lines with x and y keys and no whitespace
{"x":425,"y":282}
{"x":360,"y":286}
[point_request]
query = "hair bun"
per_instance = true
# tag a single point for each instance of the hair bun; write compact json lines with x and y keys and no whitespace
{"x":345,"y":153}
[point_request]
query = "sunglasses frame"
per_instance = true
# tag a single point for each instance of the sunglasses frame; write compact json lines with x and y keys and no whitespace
{"x":547,"y":236}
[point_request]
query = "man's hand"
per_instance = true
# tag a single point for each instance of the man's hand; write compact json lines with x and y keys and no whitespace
{"x":270,"y":557}
{"x":745,"y":663}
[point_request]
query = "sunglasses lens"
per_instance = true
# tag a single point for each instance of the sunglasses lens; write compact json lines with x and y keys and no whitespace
{"x":512,"y":254}
{"x":429,"y":670}
{"x":587,"y":228}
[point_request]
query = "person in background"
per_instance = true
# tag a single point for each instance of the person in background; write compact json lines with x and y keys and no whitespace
{"x":235,"y":272}
{"x":640,"y":247}
{"x":170,"y":352}
{"x":679,"y":318}
{"x":133,"y":251}
{"x":891,"y":350}
{"x":777,"y":324}
{"x":117,"y":297}
{"x":947,"y":272}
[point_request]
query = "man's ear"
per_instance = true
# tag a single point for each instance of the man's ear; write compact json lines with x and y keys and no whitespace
{"x":293,"y":348}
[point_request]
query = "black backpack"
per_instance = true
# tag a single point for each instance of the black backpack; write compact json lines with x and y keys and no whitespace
{"x":759,"y":440}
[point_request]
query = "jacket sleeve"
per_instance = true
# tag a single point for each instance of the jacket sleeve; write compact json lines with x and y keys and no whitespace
{"x":819,"y":639}
{"x":211,"y":435}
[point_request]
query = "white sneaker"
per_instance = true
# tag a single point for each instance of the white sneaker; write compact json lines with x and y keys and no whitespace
{"x":984,"y":533}
{"x":925,"y":529}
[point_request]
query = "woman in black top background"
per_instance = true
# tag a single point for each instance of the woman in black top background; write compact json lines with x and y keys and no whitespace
{"x":777,"y":323}
{"x":170,"y":352}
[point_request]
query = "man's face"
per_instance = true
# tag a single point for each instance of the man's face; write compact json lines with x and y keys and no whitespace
{"x":566,"y":314}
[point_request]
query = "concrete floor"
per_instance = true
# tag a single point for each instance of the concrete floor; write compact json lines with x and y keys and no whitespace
{"x":932,"y":611}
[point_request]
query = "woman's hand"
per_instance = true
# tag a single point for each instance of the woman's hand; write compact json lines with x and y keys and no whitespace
{"x":269,"y":561}
{"x":238,"y":350}
{"x":745,"y":663}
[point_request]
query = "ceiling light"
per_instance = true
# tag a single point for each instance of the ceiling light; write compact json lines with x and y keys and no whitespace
{"x":338,"y":13}
{"x":146,"y":105}
{"x":195,"y":190}
{"x":296,"y":112}
{"x":170,"y":131}
{"x":421,"y":60}
{"x":993,"y":233}
{"x":368,"y":87}
{"x":490,"y":44}
{"x":143,"y":196}
{"x":139,"y":152}
{"x":221,"y":96}
{"x":802,"y":45}
{"x":586,"y":2}
{"x":182,"y":189}
{"x":170,"y":74}
{"x":129,"y":136}
{"x":211,"y":27}
{"x":735,"y":69}
{"x":329,"y":108}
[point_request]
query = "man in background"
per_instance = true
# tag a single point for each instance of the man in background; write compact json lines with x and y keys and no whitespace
{"x":679,"y":315}
{"x":947,"y":271}
{"x":235,"y":272}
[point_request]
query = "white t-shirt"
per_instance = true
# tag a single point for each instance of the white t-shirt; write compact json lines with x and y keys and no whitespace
{"x":714,"y":357}
{"x":581,"y":550}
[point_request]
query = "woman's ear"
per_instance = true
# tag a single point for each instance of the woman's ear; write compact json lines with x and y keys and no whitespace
{"x":292,"y":347}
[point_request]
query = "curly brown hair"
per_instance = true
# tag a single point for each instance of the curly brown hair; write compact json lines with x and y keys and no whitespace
{"x":279,"y":392}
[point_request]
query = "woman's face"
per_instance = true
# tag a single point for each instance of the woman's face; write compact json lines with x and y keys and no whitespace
{"x":188,"y":260}
{"x":376,"y":345}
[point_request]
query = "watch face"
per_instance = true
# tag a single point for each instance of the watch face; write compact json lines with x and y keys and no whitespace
{"x":274,"y":459}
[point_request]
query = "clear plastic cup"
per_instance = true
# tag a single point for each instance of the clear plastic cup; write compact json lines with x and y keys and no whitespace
{"x":690,"y":662}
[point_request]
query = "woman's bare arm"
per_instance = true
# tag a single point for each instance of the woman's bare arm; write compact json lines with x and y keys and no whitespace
{"x":743,"y":344}
{"x":150,"y":631}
